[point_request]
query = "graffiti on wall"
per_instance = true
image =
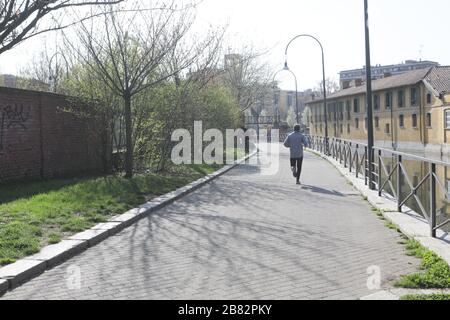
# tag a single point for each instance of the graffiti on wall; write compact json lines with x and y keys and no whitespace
{"x":12,"y":117}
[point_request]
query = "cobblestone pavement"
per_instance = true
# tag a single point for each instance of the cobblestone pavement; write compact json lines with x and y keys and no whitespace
{"x":244,"y":236}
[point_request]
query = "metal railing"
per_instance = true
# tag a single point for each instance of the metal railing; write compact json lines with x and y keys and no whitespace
{"x":354,"y":156}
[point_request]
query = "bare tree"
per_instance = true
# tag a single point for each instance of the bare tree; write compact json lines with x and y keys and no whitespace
{"x":21,"y":19}
{"x":129,"y":53}
{"x":202,"y":71}
{"x":46,"y":71}
{"x":331,"y":85}
{"x":247,"y":77}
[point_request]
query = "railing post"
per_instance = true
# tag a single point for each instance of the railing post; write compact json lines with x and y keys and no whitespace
{"x":365,"y":164}
{"x":346,"y":156}
{"x":357,"y":161}
{"x":433,"y":199}
{"x":379,"y":173}
{"x":350,"y":162}
{"x":399,"y":184}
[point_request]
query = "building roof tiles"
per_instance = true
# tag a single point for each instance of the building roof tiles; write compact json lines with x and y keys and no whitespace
{"x":437,"y":77}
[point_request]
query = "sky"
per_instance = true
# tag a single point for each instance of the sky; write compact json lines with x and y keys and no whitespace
{"x":399,"y":29}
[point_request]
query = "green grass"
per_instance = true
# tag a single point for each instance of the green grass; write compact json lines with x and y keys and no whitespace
{"x":434,"y":271}
{"x":434,"y":274}
{"x":392,"y":226}
{"x":425,"y":297}
{"x":37,"y":214}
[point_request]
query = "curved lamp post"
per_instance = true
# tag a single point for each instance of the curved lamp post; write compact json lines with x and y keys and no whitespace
{"x":286,"y":68}
{"x":324,"y":80}
{"x":51,"y":76}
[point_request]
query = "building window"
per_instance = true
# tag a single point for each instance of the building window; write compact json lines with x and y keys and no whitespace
{"x":348,"y":128}
{"x":388,"y":101}
{"x":387,"y":129}
{"x":366,"y":123}
{"x":342,"y":128}
{"x":289,"y":100}
{"x":377,"y":122}
{"x":401,"y":98}
{"x":329,"y":111}
{"x":321,"y":128}
{"x":414,"y":96}
{"x":447,"y":119}
{"x":414,"y":120}
{"x":429,"y":98}
{"x":401,"y":121}
{"x":341,"y":111}
{"x":429,"y":119}
{"x":376,"y":102}
{"x":348,"y":109}
{"x":356,"y":105}
{"x":357,"y":123}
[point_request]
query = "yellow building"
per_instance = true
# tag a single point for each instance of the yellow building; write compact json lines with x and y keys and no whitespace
{"x":411,"y":112}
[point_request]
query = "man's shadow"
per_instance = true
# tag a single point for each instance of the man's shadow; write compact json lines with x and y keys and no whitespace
{"x":322,"y":191}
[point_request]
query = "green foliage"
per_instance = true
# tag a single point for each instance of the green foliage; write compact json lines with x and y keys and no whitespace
{"x":426,"y":297}
{"x":43,"y":213}
{"x":157,"y":112}
{"x":392,"y":226}
{"x":17,"y":239}
{"x":168,"y":107}
{"x":435,"y":272}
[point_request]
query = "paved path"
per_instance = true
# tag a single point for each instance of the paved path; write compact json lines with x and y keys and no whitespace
{"x":244,"y":236}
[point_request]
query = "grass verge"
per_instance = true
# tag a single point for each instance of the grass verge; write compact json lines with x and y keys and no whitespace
{"x":434,"y":274}
{"x":34,"y":215}
{"x":425,"y":297}
{"x":434,"y":271}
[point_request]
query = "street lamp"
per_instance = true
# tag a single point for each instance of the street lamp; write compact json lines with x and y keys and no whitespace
{"x":54,"y":77}
{"x":324,"y":81}
{"x":370,"y":135}
{"x":286,"y":68}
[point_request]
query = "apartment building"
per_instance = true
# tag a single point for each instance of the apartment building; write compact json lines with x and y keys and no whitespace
{"x":285,"y":99}
{"x":351,"y":78}
{"x":411,"y":112}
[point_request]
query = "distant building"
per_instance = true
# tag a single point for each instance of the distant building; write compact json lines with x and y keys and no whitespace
{"x":283,"y":100}
{"x":356,"y":77}
{"x":12,"y":81}
{"x":411,"y":112}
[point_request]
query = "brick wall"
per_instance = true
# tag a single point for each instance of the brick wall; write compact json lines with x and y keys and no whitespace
{"x":40,"y":138}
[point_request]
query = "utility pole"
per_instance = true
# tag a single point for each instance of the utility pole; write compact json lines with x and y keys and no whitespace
{"x":370,"y":137}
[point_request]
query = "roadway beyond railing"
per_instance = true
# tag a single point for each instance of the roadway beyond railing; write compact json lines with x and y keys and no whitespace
{"x":354,"y":156}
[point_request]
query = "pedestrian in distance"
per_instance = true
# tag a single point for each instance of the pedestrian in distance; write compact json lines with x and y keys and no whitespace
{"x":296,"y":142}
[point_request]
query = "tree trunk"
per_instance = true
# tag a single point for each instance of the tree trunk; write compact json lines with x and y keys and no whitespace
{"x":129,"y":138}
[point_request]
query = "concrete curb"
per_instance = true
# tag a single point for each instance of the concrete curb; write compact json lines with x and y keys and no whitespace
{"x":410,"y":223}
{"x":15,"y":274}
{"x":397,"y":294}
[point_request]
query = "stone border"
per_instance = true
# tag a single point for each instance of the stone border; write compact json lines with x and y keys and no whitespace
{"x":15,"y":274}
{"x":396,"y":294}
{"x":410,"y":223}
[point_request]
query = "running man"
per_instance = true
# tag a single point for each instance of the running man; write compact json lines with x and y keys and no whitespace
{"x":296,"y":142}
